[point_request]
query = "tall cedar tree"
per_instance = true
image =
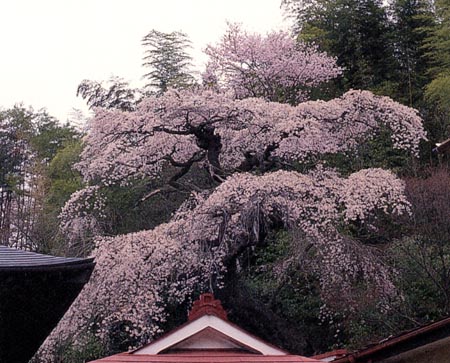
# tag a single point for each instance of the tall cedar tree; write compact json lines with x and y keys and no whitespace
{"x":167,"y":58}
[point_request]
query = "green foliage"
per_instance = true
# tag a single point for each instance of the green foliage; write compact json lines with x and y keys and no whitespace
{"x":128,"y":209}
{"x":28,"y":141}
{"x":438,"y":92}
{"x":57,"y":183}
{"x":116,"y":93}
{"x":286,"y":294}
{"x":422,"y":265}
{"x":437,"y":43}
{"x":28,"y":136}
{"x":167,"y":58}
{"x":356,"y":32}
{"x":412,"y":21}
{"x":16,"y":130}
{"x":437,"y":49}
{"x":91,"y":348}
{"x":64,"y":179}
{"x":50,"y":137}
{"x":376,"y":153}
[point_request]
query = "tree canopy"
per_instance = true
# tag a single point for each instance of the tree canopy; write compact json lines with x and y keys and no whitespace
{"x":274,"y":67}
{"x":28,"y":141}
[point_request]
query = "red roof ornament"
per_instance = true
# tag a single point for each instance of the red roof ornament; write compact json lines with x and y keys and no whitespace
{"x":207,"y":305}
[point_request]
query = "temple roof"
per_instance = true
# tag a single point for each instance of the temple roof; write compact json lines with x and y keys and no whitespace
{"x":207,"y":337}
{"x":35,"y":292}
{"x":11,"y":258}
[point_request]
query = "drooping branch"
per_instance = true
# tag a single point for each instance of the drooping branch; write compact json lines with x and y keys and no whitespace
{"x":211,"y":230}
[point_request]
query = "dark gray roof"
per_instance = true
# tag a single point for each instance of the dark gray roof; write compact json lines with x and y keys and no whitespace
{"x":35,"y":292}
{"x":14,"y":258}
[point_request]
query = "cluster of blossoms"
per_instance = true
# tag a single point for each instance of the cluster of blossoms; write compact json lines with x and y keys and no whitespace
{"x":275,"y":67}
{"x":187,"y":126}
{"x":81,"y":215}
{"x":366,"y":192}
{"x":135,"y":275}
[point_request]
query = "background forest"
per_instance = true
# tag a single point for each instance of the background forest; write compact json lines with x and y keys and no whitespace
{"x":267,"y":179}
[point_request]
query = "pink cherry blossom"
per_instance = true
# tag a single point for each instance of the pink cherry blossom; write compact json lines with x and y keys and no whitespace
{"x":275,"y":67}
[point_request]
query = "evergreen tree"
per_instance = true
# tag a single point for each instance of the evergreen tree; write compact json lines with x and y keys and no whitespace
{"x":58,"y":181}
{"x":167,"y":58}
{"x":28,"y":141}
{"x":438,"y":43}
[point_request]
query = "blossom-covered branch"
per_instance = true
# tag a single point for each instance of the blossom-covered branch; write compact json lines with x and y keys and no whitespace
{"x":187,"y":127}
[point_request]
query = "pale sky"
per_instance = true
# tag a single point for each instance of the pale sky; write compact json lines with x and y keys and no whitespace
{"x":49,"y":46}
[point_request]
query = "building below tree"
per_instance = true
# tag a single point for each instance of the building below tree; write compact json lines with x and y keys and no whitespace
{"x":207,"y":337}
{"x":35,"y":292}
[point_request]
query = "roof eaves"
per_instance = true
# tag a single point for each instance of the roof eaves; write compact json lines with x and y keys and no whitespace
{"x":397,"y":340}
{"x":62,"y":266}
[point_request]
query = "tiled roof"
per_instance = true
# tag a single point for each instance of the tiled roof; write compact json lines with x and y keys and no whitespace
{"x":11,"y":258}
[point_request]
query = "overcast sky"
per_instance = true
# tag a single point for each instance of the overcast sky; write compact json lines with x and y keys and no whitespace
{"x":49,"y":46}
